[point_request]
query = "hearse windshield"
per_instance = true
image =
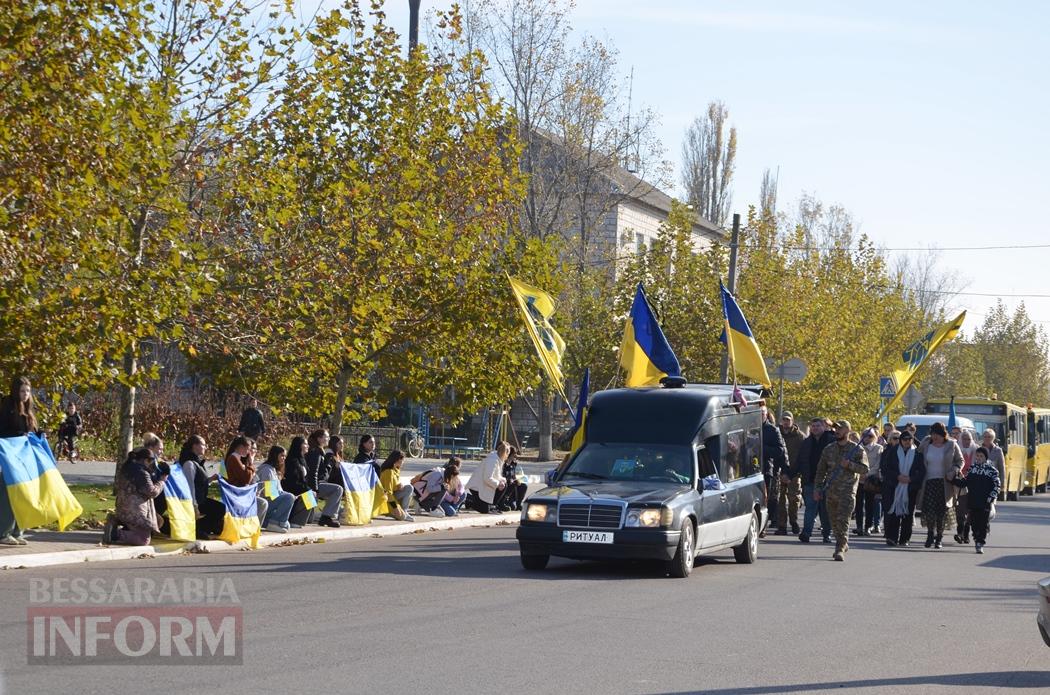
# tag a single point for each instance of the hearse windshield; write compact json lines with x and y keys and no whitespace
{"x":633,"y":462}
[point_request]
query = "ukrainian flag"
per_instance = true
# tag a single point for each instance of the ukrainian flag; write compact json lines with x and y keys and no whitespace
{"x":361,"y":499}
{"x":744,"y":354}
{"x":242,"y":518}
{"x":578,"y":437}
{"x":644,"y":352}
{"x":38,"y":494}
{"x":181,"y":517}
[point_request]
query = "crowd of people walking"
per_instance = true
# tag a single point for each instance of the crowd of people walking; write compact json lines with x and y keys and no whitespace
{"x":879,"y":482}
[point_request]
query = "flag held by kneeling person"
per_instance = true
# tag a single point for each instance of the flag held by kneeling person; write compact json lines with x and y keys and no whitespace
{"x":181,"y":517}
{"x":270,"y":489}
{"x":361,"y":497}
{"x":38,"y":493}
{"x":242,"y":518}
{"x":309,"y":499}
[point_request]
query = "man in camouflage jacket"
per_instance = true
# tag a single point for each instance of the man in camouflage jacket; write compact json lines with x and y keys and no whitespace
{"x":841,"y":464}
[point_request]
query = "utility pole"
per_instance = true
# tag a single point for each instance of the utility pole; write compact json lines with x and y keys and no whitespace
{"x":734,"y":243}
{"x":413,"y":24}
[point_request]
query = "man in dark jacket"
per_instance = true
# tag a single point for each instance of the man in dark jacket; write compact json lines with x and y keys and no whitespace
{"x":806,"y":469}
{"x":790,"y":486}
{"x":774,"y":459}
{"x":252,"y":423}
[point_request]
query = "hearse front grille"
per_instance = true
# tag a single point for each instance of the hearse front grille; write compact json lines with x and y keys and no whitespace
{"x":597,"y":515}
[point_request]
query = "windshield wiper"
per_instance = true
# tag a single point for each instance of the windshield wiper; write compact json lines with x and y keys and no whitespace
{"x":586,"y":476}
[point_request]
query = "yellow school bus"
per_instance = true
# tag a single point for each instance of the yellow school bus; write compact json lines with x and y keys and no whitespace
{"x":1010,"y":423}
{"x":1038,"y":447}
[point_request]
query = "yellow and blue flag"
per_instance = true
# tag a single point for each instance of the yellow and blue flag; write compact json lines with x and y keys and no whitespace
{"x":578,"y":437}
{"x":740,"y":343}
{"x":361,"y":498}
{"x":537,"y":307}
{"x":916,"y":354}
{"x":242,"y":518}
{"x":644,"y":352}
{"x":270,"y":489}
{"x":38,"y":493}
{"x":309,"y":499}
{"x":181,"y":517}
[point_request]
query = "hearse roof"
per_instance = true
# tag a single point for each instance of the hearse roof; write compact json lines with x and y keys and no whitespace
{"x":657,"y":415}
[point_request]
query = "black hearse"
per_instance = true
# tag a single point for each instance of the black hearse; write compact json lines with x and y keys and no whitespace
{"x":666,"y":473}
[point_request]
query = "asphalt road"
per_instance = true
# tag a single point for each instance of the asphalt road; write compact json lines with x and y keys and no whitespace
{"x":454,"y":612}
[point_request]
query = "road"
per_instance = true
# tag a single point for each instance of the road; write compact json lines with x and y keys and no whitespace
{"x":454,"y":612}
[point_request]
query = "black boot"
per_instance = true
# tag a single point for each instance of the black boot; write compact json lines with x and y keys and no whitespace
{"x":929,"y":539}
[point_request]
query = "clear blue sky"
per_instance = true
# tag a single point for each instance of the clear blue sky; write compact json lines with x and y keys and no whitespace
{"x":926,"y":119}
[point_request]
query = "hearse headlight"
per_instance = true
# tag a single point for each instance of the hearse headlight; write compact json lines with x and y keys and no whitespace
{"x":541,"y":512}
{"x":645,"y":518}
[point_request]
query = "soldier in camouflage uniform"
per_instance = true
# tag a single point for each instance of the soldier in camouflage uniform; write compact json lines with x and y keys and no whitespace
{"x":841,"y":464}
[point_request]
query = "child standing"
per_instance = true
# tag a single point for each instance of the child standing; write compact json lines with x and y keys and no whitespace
{"x":982,"y":485}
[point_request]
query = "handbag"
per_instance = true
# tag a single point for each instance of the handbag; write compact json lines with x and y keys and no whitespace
{"x":872,"y":485}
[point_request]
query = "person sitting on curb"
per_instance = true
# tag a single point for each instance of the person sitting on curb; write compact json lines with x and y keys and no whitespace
{"x":294,"y":481}
{"x":366,"y":452}
{"x":514,"y":495}
{"x":139,"y":482}
{"x":428,"y":490}
{"x":210,"y":513}
{"x":398,"y":496}
{"x":276,"y":520}
{"x":455,"y":493}
{"x":240,"y":470}
{"x":317,"y":473}
{"x":487,"y":484}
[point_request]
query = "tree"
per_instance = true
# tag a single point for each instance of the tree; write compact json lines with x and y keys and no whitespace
{"x":708,"y":163}
{"x":930,"y":287}
{"x":371,"y":205}
{"x":767,"y":197}
{"x":569,"y":105}
{"x":1015,"y":355}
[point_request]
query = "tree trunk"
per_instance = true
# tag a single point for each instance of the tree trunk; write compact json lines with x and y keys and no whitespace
{"x":126,"y":438}
{"x":546,"y":452}
{"x":342,"y":380}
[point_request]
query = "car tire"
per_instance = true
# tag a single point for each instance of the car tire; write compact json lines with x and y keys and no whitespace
{"x":682,"y":564}
{"x":747,"y":552}
{"x":534,"y":563}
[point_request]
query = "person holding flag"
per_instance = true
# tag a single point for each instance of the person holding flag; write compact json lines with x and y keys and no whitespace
{"x":140,"y":480}
{"x":16,"y":420}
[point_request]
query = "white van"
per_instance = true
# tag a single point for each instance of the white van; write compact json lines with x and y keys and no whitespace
{"x":922,"y":424}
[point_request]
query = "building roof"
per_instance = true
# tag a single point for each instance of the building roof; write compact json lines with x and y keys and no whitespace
{"x":645,"y":193}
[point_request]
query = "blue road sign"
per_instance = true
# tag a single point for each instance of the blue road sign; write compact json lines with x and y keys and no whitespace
{"x":886,"y":389}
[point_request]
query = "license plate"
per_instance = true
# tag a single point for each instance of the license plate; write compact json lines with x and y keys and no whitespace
{"x":587,"y":536}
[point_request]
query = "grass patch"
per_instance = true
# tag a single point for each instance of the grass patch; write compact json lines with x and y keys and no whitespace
{"x":97,"y":501}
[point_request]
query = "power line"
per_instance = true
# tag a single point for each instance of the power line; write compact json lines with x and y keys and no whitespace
{"x":791,"y":247}
{"x":975,"y":294}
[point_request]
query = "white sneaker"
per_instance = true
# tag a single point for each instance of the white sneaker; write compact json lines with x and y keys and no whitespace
{"x":276,"y":528}
{"x":438,"y":512}
{"x":409,"y":517}
{"x":9,"y":540}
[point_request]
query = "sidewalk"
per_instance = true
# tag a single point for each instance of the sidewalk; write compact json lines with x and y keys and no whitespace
{"x":48,"y":548}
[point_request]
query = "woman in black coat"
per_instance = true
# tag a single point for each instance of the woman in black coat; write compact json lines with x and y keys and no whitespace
{"x":211,"y":514}
{"x":294,"y":481}
{"x":903,"y":471}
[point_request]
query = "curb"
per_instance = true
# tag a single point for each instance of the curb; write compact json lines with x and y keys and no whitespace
{"x":266,"y":540}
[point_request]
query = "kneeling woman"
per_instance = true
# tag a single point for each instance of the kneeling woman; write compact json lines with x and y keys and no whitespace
{"x":398,"y":496}
{"x":139,"y":482}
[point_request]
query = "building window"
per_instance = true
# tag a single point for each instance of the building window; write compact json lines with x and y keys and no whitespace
{"x":639,"y":242}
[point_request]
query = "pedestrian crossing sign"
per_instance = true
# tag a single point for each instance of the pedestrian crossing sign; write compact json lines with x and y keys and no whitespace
{"x":886,"y":389}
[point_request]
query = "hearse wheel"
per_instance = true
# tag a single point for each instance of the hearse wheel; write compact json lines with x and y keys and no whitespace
{"x":682,"y":564}
{"x":747,"y":552}
{"x":534,"y":562}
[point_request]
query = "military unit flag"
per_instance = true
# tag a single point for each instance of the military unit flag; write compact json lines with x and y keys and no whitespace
{"x":916,"y":354}
{"x":537,"y":307}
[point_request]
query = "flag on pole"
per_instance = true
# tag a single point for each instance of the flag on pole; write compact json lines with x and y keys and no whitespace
{"x":915,"y":355}
{"x":953,"y":418}
{"x":37,"y":492}
{"x":181,"y":517}
{"x":242,"y":517}
{"x":578,"y":437}
{"x":537,"y":307}
{"x":744,"y":355}
{"x":645,"y":353}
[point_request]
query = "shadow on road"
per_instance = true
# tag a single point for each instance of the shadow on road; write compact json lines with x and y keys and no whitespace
{"x":995,"y":679}
{"x":1024,"y":563}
